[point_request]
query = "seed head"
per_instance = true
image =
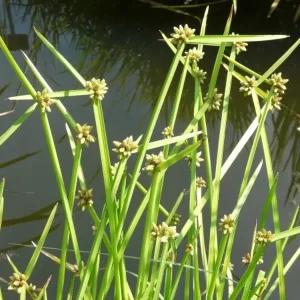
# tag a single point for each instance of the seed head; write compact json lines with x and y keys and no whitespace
{"x":85,"y":198}
{"x":248,"y":85}
{"x":17,"y":282}
{"x":75,"y":269}
{"x":152,"y":161}
{"x":275,"y":102}
{"x":263,"y":237}
{"x":240,"y":46}
{"x":215,"y":101}
{"x":171,"y":257}
{"x":126,"y":147}
{"x":44,"y":100}
{"x":194,"y":55}
{"x":200,"y":74}
{"x":190,"y":249}
{"x":279,"y":83}
{"x":175,"y":220}
{"x":198,"y":159}
{"x":97,"y":88}
{"x":227,"y":224}
{"x":113,"y":169}
{"x":168,"y":132}
{"x":33,"y":290}
{"x":246,"y":260}
{"x":182,"y":34}
{"x":164,"y":231}
{"x":84,"y":135}
{"x":200,"y":182}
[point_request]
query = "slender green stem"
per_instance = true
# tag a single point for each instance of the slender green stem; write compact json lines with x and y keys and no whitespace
{"x":65,"y":243}
{"x":105,"y":162}
{"x":217,"y":266}
{"x":147,"y":243}
{"x":60,"y":184}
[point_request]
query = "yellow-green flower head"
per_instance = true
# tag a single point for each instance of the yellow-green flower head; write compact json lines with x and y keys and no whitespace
{"x":190,"y":249}
{"x":85,"y":198}
{"x":168,"y":132}
{"x":263,"y":237}
{"x":84,"y":134}
{"x":182,"y":34}
{"x":200,"y":182}
{"x":164,"y":231}
{"x":246,"y":260}
{"x":194,"y":54}
{"x":17,"y":282}
{"x":126,"y":147}
{"x":248,"y":85}
{"x":97,"y":88}
{"x":199,"y":159}
{"x":227,"y":224}
{"x":275,"y":102}
{"x":200,"y":74}
{"x":44,"y":101}
{"x":113,"y":169}
{"x":240,"y":46}
{"x":152,"y":161}
{"x":279,"y":83}
{"x":216,"y":100}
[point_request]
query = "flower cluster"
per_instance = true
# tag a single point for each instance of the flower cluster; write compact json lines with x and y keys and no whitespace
{"x":84,"y":134}
{"x":239,"y":46}
{"x":97,"y":88}
{"x":113,"y":169}
{"x":200,"y":74}
{"x":279,"y":83}
{"x":168,"y":132}
{"x":227,"y":224}
{"x":263,"y":237}
{"x":248,"y":85}
{"x":17,"y":282}
{"x":198,"y":159}
{"x":126,"y":147}
{"x":190,"y":249}
{"x":194,"y":55}
{"x":33,"y":290}
{"x":182,"y":34}
{"x":85,"y":198}
{"x":175,"y":220}
{"x":216,"y":100}
{"x":164,"y":231}
{"x":275,"y":102}
{"x":44,"y":100}
{"x":200,"y":182}
{"x":152,"y":161}
{"x":246,"y":260}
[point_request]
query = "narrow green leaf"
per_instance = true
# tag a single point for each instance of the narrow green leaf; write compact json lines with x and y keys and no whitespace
{"x":17,"y":124}
{"x":40,"y":244}
{"x":43,"y":291}
{"x":169,"y":141}
{"x":286,"y":234}
{"x":219,"y":39}
{"x":278,"y":63}
{"x":64,"y":62}
{"x":58,"y":94}
{"x":177,"y":157}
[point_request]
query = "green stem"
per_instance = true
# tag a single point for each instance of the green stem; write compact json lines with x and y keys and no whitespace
{"x":60,"y":184}
{"x":105,"y":162}
{"x":65,"y":243}
{"x":147,"y":242}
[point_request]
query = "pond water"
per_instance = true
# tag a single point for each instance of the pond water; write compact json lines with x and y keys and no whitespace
{"x":123,"y":46}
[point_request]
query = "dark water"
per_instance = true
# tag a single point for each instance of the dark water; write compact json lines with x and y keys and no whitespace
{"x":122,"y":45}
